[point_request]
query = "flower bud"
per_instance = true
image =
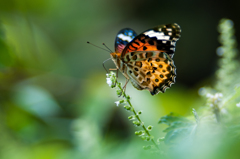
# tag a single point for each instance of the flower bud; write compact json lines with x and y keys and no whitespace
{"x":131,"y":117}
{"x":143,"y":137}
{"x":147,"y":138}
{"x":138,"y":132}
{"x":127,"y":107}
{"x":136,"y":123}
{"x":119,"y":92}
{"x":160,"y":139}
{"x":147,"y":147}
{"x":149,"y":128}
{"x":128,"y":97}
{"x":139,"y":112}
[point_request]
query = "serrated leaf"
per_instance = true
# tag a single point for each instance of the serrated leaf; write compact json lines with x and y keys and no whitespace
{"x":169,"y":119}
{"x":179,"y":128}
{"x":178,"y":125}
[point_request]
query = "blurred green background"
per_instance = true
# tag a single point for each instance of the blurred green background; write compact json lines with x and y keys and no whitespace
{"x":54,"y":100}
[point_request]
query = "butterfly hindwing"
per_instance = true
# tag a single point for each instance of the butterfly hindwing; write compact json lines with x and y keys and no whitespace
{"x":161,"y":38}
{"x":123,"y":37}
{"x":152,"y":70}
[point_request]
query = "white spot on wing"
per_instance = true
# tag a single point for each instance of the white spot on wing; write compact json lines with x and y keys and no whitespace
{"x":158,"y":35}
{"x":124,"y":37}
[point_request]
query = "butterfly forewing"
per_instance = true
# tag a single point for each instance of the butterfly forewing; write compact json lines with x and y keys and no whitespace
{"x":123,"y":37}
{"x":162,"y":38}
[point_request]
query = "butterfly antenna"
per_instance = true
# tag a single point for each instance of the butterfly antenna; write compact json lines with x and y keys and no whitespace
{"x":103,"y":64}
{"x":107,"y":47}
{"x":99,"y":47}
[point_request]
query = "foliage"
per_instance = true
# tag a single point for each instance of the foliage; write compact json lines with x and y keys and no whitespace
{"x":214,"y":132}
{"x":54,"y":103}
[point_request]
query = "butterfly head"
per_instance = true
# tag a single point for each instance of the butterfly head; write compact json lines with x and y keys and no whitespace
{"x":116,"y":58}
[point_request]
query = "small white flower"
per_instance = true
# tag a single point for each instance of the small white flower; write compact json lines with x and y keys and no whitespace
{"x":238,"y":104}
{"x":209,"y":95}
{"x":117,"y":103}
{"x":218,"y":96}
{"x":214,"y":99}
{"x":111,"y":78}
{"x":109,"y":82}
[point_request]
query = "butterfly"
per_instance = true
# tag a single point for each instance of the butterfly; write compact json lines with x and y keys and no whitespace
{"x":146,"y":59}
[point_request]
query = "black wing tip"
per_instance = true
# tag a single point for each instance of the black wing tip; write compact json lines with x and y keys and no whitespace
{"x":156,"y":90}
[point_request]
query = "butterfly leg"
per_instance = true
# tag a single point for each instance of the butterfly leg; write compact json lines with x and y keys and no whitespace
{"x":104,"y":65}
{"x":125,"y":86}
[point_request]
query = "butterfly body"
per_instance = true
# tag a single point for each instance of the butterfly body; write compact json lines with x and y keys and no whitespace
{"x":146,"y":59}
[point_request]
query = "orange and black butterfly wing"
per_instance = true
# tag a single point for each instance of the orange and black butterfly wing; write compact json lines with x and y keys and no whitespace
{"x":151,"y":70}
{"x":161,"y":38}
{"x":124,"y":37}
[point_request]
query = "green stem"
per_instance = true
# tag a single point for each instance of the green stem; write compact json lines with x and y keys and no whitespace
{"x":217,"y":113}
{"x":137,"y":116}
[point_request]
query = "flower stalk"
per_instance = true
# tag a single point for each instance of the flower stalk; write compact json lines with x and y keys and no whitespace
{"x":214,"y":102}
{"x":144,"y":134}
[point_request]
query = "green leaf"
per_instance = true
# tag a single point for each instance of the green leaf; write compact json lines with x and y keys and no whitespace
{"x":169,"y":119}
{"x":179,"y":129}
{"x":234,"y":131}
{"x":178,"y":125}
